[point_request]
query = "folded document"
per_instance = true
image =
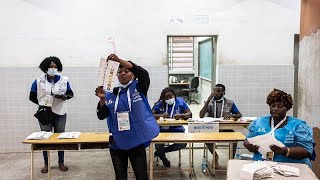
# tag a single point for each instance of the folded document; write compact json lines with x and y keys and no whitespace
{"x":265,"y":169}
{"x":287,"y":170}
{"x":256,"y":170}
{"x":39,"y":135}
{"x":69,"y":135}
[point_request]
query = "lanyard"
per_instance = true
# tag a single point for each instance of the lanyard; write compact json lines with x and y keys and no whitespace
{"x":215,"y":108}
{"x":279,"y":124}
{"x":117,"y":100}
{"x":171,"y":114}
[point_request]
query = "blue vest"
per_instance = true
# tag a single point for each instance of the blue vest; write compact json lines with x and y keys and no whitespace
{"x":143,"y":125}
{"x":179,"y":108}
{"x":285,"y":134}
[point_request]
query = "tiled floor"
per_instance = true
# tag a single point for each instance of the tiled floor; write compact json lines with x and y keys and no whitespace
{"x":96,"y":164}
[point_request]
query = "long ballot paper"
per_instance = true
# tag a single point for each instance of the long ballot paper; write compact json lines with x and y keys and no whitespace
{"x":264,"y":141}
{"x":107,"y":74}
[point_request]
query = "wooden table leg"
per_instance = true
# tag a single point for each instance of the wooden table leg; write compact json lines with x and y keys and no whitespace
{"x":214,"y":159}
{"x":190,"y":159}
{"x":151,"y":160}
{"x":231,"y":151}
{"x":32,"y":163}
{"x":49,"y":166}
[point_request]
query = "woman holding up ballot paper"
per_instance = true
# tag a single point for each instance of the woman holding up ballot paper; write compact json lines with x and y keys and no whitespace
{"x":129,"y":118}
{"x":293,"y":136}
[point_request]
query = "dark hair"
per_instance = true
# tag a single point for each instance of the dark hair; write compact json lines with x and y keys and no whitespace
{"x":45,"y":64}
{"x":163,"y":93}
{"x":222,"y":86}
{"x":280,"y":96}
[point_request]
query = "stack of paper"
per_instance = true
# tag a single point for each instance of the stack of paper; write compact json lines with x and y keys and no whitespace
{"x":208,"y":119}
{"x":69,"y":135}
{"x":39,"y":135}
{"x":247,"y":119}
{"x":287,"y":170}
{"x":256,"y":170}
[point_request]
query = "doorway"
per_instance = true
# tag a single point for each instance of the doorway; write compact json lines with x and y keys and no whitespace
{"x":189,"y":57}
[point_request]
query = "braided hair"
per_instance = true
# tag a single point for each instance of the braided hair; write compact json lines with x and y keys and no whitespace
{"x":280,"y":96}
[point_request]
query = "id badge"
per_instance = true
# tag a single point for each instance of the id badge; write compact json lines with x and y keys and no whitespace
{"x":123,"y":121}
{"x":269,"y":156}
{"x":48,"y":101}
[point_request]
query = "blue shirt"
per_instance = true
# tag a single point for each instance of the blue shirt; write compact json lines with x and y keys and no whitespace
{"x":179,"y":108}
{"x":295,"y":133}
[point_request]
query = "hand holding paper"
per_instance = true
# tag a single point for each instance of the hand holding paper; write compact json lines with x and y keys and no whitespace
{"x":264,"y":142}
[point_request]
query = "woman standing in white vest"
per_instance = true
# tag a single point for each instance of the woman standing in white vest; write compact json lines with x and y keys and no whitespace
{"x":50,"y":92}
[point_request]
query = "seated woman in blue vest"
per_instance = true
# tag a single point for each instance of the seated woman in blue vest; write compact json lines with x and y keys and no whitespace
{"x":169,"y":106}
{"x":129,"y":118}
{"x":294,"y":133}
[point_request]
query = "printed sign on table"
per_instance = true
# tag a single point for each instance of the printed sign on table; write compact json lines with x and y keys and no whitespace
{"x":197,"y":127}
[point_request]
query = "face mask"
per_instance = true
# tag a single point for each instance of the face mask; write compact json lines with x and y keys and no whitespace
{"x":125,"y":85}
{"x":52,"y":71}
{"x":170,"y":101}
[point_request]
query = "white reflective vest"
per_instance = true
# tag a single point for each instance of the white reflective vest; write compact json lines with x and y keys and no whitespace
{"x":45,"y":87}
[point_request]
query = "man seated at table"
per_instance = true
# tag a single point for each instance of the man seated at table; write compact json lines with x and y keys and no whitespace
{"x":218,"y":106}
{"x":169,"y":106}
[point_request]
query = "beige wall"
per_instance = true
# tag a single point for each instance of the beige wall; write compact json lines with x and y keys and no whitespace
{"x":310,"y":17}
{"x":308,"y":101}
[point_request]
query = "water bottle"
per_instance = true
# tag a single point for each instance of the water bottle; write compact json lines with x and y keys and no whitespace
{"x":204,"y":164}
{"x":237,"y":155}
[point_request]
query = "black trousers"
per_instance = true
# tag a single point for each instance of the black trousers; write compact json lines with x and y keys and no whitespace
{"x":138,"y":159}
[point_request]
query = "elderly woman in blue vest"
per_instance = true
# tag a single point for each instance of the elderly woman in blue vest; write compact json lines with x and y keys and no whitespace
{"x":169,"y":106}
{"x":218,"y":106}
{"x":51,"y":90}
{"x":129,"y":119}
{"x":294,"y":133}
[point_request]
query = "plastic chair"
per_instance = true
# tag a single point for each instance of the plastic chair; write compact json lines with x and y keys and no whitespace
{"x":193,"y":88}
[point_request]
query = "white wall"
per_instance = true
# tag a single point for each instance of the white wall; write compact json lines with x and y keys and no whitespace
{"x":309,"y":79}
{"x":250,"y":31}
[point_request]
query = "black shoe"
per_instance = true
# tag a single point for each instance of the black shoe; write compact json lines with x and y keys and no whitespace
{"x":156,"y":154}
{"x":165,"y":162}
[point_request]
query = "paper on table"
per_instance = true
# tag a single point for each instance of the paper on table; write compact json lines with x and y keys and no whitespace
{"x":256,"y":170}
{"x":247,"y":119}
{"x":69,"y":135}
{"x":287,"y":170}
{"x":264,"y":141}
{"x":39,"y":135}
{"x":208,"y":119}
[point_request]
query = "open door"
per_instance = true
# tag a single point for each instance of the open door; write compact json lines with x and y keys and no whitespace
{"x":207,"y":65}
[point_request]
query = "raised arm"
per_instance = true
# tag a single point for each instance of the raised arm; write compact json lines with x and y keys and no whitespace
{"x":204,"y":109}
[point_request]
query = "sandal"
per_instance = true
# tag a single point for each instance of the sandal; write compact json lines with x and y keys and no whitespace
{"x":62,"y":167}
{"x":44,"y":169}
